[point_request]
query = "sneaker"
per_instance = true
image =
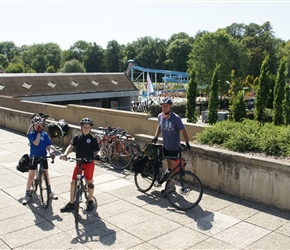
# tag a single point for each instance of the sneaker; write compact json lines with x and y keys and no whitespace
{"x":67,"y":208}
{"x":157,"y":184}
{"x":26,"y":199}
{"x":90,"y":206}
{"x":53,"y":196}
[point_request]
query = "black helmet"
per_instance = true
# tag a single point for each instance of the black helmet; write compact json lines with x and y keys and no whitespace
{"x":166,"y":101}
{"x":87,"y":121}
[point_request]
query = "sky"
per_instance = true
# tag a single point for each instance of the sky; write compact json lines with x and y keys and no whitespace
{"x":65,"y":22}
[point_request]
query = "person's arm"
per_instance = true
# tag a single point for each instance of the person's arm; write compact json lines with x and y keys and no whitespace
{"x":68,"y":150}
{"x":155,"y":138}
{"x":186,"y":138}
{"x":37,"y":140}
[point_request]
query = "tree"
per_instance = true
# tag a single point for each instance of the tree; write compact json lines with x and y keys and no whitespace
{"x":218,"y":47}
{"x":73,"y":66}
{"x":213,"y":97}
{"x":262,"y":92}
{"x":15,"y":68}
{"x":279,"y":94}
{"x":286,"y":105}
{"x":113,"y":57}
{"x":94,"y":59}
{"x":238,"y":109}
{"x":191,"y":98}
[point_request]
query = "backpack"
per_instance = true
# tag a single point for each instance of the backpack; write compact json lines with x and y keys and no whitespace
{"x":53,"y":130}
{"x":23,"y":163}
{"x":139,"y":162}
{"x":64,"y":126}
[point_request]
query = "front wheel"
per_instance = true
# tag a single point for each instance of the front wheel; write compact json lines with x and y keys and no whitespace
{"x":184,"y":191}
{"x":120,"y":154}
{"x":78,"y":195}
{"x":43,"y":189}
{"x":145,"y":180}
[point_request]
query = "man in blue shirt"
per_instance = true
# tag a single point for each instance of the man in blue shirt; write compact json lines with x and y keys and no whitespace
{"x":170,"y":125}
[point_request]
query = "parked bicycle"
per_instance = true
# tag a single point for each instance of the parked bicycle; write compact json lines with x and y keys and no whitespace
{"x":81,"y":187}
{"x":183,"y":189}
{"x":56,"y":131}
{"x":41,"y":181}
{"x":117,"y":147}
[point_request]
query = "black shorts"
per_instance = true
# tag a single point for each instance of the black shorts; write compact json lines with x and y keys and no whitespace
{"x":173,"y":153}
{"x":33,"y":165}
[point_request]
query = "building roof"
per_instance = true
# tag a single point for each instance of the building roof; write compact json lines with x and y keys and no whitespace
{"x":39,"y":84}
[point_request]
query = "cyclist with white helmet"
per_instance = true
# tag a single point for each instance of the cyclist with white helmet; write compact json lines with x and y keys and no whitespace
{"x":86,"y":146}
{"x":170,"y":125}
{"x":40,"y":145}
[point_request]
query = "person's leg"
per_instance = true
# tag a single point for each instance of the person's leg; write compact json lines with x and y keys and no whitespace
{"x":89,"y":173}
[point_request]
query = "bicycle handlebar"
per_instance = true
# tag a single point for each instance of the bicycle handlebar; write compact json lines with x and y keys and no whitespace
{"x":38,"y":159}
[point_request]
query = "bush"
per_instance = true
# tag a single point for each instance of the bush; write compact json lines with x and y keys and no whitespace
{"x":248,"y":136}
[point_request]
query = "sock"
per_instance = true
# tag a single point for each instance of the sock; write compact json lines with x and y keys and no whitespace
{"x":27,"y":193}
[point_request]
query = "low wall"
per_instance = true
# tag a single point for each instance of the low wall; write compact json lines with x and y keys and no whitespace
{"x":251,"y":178}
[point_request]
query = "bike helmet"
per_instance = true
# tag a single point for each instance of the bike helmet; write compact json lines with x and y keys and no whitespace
{"x":87,"y":121}
{"x":37,"y":120}
{"x":166,"y":101}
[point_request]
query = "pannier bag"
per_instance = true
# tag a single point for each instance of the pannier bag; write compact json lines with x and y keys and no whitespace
{"x":153,"y":151}
{"x":64,"y":126}
{"x":23,"y":163}
{"x":139,"y":162}
{"x":53,"y":130}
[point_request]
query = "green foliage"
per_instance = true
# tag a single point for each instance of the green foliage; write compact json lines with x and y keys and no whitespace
{"x":50,"y":69}
{"x":238,"y":108}
{"x":213,"y":97}
{"x":262,"y":92}
{"x":248,"y":136}
{"x":279,"y":94}
{"x":15,"y":68}
{"x":286,"y":105}
{"x":191,"y":98}
{"x":73,"y":66}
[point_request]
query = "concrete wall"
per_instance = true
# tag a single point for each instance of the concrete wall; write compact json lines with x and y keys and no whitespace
{"x":244,"y":176}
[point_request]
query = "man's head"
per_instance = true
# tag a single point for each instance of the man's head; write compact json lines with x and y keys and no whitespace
{"x":166,"y":104}
{"x":86,"y":125}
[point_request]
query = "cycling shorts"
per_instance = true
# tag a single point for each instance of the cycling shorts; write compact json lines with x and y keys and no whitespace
{"x":88,"y":169}
{"x":173,"y":153}
{"x":33,"y":165}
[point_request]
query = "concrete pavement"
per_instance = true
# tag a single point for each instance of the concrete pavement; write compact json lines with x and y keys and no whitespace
{"x":126,"y":218}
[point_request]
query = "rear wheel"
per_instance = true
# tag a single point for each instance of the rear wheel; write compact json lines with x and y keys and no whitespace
{"x":57,"y":137}
{"x":184,"y":192}
{"x":120,"y":154}
{"x":43,"y":189}
{"x":145,"y":180}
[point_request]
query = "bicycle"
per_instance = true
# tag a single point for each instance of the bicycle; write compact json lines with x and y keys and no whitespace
{"x":41,"y":181}
{"x":120,"y":152}
{"x":56,"y":131}
{"x":81,"y":187}
{"x":183,"y":189}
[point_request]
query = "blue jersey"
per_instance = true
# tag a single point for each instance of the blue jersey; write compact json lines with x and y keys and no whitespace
{"x":40,"y":150}
{"x":171,"y":130}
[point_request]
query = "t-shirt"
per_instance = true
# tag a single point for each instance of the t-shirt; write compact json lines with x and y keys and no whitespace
{"x":85,"y":145}
{"x":40,"y":150}
{"x":171,"y":130}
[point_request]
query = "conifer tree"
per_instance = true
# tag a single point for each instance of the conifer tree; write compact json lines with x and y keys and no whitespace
{"x":279,"y":94}
{"x":191,"y":98}
{"x":286,"y":105}
{"x":239,"y":107}
{"x":213,"y":97}
{"x":262,"y":92}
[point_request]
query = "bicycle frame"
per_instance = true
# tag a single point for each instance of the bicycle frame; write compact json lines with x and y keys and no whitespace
{"x":41,"y":180}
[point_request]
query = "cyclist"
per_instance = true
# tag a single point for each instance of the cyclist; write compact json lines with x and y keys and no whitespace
{"x":170,"y":124}
{"x":40,"y":145}
{"x":86,"y":146}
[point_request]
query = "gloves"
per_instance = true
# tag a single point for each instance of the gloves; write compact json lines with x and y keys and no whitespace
{"x":154,"y":140}
{"x":97,"y":158}
{"x":39,"y":129}
{"x":187,"y":146}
